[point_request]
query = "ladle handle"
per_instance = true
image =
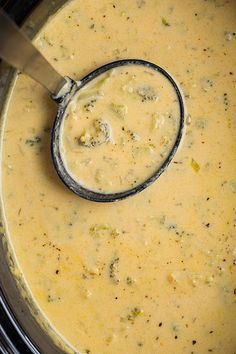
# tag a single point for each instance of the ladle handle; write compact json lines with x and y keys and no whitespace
{"x":18,"y":51}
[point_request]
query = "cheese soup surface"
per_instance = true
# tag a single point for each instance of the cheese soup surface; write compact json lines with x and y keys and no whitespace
{"x":154,"y":273}
{"x":120,"y":128}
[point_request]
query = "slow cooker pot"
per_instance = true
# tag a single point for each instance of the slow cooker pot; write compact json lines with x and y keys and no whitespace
{"x":20,"y":333}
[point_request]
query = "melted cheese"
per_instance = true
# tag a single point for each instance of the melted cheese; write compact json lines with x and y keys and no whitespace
{"x":154,"y":273}
{"x":120,"y":128}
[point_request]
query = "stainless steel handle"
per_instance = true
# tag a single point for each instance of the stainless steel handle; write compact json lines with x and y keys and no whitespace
{"x":18,"y":51}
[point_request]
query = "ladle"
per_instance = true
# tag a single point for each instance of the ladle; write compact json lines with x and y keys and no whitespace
{"x":18,"y":51}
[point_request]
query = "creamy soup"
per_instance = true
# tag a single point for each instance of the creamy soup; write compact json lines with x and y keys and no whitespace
{"x":154,"y":273}
{"x":120,"y":128}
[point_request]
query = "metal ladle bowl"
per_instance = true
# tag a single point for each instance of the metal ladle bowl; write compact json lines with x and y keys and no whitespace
{"x":18,"y":51}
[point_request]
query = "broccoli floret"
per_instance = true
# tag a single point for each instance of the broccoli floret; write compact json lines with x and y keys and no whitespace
{"x":113,"y":270}
{"x":147,"y":93}
{"x":99,"y":134}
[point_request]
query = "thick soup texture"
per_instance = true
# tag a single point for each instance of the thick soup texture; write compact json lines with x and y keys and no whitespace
{"x":120,"y":128}
{"x":154,"y":273}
